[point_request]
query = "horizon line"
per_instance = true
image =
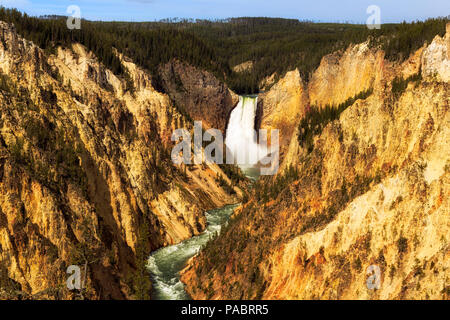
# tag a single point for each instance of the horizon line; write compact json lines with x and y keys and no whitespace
{"x":227,"y":20}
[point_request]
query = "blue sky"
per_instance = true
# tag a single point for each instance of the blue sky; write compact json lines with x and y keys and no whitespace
{"x":317,"y":10}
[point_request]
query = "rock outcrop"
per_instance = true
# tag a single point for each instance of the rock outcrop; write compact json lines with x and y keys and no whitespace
{"x":436,"y":58}
{"x":282,"y":107}
{"x":244,"y":66}
{"x":342,"y":75}
{"x":198,"y":93}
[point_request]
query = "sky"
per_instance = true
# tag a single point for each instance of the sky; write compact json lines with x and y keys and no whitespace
{"x":316,"y":10}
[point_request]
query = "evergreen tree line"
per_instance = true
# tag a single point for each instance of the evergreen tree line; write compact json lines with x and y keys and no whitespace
{"x":274,"y":45}
{"x":316,"y":119}
{"x":280,"y":45}
{"x":399,"y":84}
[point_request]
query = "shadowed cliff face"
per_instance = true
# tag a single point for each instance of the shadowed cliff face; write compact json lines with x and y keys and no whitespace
{"x":198,"y":93}
{"x":85,"y":173}
{"x":373,"y":191}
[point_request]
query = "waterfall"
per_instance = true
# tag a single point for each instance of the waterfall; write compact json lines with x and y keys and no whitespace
{"x":241,"y":135}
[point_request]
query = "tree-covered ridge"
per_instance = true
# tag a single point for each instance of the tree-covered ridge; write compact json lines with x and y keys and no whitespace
{"x":279,"y":45}
{"x":274,"y":45}
{"x":147,"y":47}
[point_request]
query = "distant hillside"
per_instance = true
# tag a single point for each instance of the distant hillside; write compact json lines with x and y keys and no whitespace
{"x":274,"y":45}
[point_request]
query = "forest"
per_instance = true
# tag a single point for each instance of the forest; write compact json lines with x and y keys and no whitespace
{"x":274,"y":45}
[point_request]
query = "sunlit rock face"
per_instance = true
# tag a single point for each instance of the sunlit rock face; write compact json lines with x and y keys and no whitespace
{"x":372,"y":192}
{"x":436,"y":58}
{"x":342,"y":75}
{"x":282,"y":108}
{"x":85,"y":169}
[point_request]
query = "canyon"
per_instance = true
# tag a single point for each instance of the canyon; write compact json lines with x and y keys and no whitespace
{"x":85,"y":172}
{"x":373,"y":191}
{"x":86,"y":178}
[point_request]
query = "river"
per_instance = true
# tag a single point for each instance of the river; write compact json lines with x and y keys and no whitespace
{"x":166,"y":263}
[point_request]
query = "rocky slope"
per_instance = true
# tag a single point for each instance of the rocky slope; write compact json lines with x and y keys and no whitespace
{"x":199,"y":93}
{"x":345,"y":74}
{"x":85,"y":172}
{"x":246,"y":66}
{"x":282,"y":107}
{"x":374,"y":191}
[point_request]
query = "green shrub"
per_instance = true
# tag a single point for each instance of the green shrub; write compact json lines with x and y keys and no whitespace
{"x":233,"y":172}
{"x":5,"y":83}
{"x":16,"y":151}
{"x":224,"y":184}
{"x":271,"y":189}
{"x":402,"y":245}
{"x":357,"y":264}
{"x":399,"y":84}
{"x":141,"y":277}
{"x":48,"y":96}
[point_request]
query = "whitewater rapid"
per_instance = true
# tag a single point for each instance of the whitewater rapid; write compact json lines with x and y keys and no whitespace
{"x":166,"y":263}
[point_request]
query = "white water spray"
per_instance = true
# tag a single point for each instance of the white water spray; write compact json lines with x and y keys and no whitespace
{"x":241,"y":137}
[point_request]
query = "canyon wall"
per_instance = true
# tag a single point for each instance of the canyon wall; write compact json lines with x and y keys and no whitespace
{"x":344,"y":74}
{"x":282,"y":107}
{"x":85,"y":172}
{"x":199,"y":93}
{"x":372,"y":194}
